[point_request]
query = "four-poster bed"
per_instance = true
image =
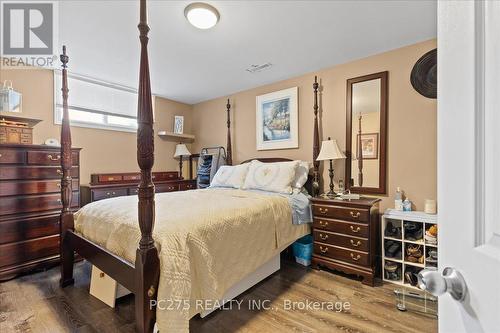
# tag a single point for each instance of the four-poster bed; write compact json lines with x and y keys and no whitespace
{"x":140,"y":272}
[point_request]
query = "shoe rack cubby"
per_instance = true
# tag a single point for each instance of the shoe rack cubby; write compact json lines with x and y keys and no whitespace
{"x":405,"y":246}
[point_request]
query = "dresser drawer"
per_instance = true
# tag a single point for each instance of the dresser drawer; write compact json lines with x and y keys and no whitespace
{"x":8,"y":188}
{"x":13,"y":156}
{"x":25,"y":172}
{"x":346,"y":255}
{"x":14,"y":130}
{"x":187,"y":186}
{"x":159,"y":188}
{"x":17,"y":230}
{"x":132,"y":177}
{"x":162,"y":176}
{"x":49,"y":157}
{"x":342,"y":227}
{"x":355,"y":243}
{"x":34,"y":203}
{"x":343,"y":213}
{"x":133,"y":190}
{"x":110,"y":178}
{"x":99,"y":194}
{"x":15,"y":253}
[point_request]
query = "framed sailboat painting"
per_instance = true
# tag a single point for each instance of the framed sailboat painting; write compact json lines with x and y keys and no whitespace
{"x":277,"y":124}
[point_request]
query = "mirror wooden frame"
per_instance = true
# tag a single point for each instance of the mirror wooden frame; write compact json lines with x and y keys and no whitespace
{"x":382,"y":187}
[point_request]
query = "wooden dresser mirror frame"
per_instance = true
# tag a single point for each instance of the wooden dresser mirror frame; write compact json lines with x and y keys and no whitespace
{"x":382,"y":151}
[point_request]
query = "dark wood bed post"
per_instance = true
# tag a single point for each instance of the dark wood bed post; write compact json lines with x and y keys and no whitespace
{"x":360,"y":152}
{"x":229,"y":151}
{"x":315,"y":185}
{"x":66,"y":219}
{"x":147,"y":263}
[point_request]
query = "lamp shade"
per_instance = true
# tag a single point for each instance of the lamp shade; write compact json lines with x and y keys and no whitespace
{"x":330,"y":151}
{"x":181,"y":150}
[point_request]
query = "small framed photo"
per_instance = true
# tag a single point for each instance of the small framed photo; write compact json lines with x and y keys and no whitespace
{"x":178,"y":124}
{"x":369,"y":146}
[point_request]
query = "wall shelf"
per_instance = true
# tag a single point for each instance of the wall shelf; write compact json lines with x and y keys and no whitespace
{"x":171,"y":136}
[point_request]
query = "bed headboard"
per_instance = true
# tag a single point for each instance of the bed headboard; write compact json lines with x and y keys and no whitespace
{"x":310,"y":177}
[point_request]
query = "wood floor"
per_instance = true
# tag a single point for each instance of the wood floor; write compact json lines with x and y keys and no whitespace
{"x":35,"y":303}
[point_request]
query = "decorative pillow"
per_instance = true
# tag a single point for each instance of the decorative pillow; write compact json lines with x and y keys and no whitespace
{"x":230,"y":176}
{"x":272,"y":177}
{"x":301,"y":175}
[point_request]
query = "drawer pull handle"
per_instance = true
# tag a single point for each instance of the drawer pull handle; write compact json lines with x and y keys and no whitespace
{"x":59,"y":172}
{"x":59,"y":200}
{"x":101,"y":275}
{"x":355,"y":258}
{"x":52,"y":158}
{"x":323,"y":250}
{"x":355,"y":215}
{"x":323,"y":224}
{"x":58,"y":185}
{"x":323,"y":237}
{"x":358,"y":243}
{"x":111,"y":193}
{"x":323,"y":210}
{"x":355,"y":230}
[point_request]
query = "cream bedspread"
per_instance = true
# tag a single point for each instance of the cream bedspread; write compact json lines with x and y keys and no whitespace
{"x":208,"y":240}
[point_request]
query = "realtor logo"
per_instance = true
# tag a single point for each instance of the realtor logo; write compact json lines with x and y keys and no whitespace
{"x":27,"y":28}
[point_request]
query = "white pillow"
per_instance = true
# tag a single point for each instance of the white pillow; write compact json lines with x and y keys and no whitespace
{"x":272,"y":177}
{"x":301,"y":175}
{"x":230,"y":176}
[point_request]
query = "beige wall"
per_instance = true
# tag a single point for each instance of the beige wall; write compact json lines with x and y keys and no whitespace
{"x":102,"y":150}
{"x":411,"y":123}
{"x":412,"y":118}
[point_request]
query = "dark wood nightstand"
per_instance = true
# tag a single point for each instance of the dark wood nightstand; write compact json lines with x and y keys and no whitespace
{"x":346,"y":236}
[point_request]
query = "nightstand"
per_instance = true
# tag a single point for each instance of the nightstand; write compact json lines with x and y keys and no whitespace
{"x":346,"y":236}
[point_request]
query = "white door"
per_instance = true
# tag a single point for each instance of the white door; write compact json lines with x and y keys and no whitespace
{"x":469,"y":161}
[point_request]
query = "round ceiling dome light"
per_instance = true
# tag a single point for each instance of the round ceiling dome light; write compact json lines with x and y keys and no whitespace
{"x":201,"y":15}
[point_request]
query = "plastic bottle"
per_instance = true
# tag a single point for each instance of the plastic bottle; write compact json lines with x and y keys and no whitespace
{"x":407,"y":205}
{"x":398,"y":199}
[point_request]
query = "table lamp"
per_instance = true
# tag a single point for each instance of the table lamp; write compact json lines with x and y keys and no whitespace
{"x":180,"y":151}
{"x":330,"y":151}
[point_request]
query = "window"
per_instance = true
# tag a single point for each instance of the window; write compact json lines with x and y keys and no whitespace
{"x":96,"y":104}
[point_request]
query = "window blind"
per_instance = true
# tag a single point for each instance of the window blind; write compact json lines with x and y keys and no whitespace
{"x":97,"y":103}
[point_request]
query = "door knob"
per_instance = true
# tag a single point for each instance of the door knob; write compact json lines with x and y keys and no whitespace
{"x":451,"y":281}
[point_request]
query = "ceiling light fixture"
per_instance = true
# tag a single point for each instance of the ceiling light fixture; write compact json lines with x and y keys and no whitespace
{"x":201,"y":15}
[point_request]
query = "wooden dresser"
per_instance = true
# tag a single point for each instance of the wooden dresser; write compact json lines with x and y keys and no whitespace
{"x":30,"y":204}
{"x":110,"y":185}
{"x":345,"y":236}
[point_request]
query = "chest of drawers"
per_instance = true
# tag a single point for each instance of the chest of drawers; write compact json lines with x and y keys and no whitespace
{"x":345,"y":236}
{"x":30,"y":204}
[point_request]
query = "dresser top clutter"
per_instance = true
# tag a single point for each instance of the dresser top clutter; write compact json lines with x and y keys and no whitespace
{"x":16,"y":130}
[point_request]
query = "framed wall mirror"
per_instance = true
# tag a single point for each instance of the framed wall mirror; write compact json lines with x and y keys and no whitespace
{"x":366,"y":134}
